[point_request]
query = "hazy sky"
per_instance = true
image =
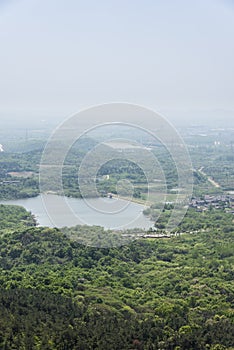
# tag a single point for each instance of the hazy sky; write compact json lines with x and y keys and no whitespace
{"x":57,"y":56}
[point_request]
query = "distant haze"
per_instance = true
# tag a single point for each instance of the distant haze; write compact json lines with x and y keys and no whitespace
{"x":57,"y":57}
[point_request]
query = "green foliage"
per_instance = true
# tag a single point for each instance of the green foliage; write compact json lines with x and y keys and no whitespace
{"x":17,"y":186}
{"x":14,"y":216}
{"x":150,"y":294}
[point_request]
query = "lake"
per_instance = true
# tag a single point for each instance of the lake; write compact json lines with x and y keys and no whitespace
{"x":111,"y":213}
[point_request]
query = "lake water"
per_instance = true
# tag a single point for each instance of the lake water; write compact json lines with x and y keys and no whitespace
{"x":111,"y":213}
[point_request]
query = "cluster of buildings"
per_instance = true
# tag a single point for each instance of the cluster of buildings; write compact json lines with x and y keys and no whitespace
{"x":224,"y":201}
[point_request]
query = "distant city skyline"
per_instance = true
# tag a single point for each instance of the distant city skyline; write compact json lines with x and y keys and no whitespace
{"x":57,"y":57}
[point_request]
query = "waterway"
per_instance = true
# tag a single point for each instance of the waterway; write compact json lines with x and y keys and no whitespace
{"x":111,"y":213}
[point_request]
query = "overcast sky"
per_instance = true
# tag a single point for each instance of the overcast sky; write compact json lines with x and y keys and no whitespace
{"x":57,"y":56}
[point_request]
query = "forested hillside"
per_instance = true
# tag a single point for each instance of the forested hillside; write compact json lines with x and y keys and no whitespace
{"x":175,"y":293}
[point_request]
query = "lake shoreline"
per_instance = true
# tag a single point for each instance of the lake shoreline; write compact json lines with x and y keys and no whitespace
{"x":53,"y":210}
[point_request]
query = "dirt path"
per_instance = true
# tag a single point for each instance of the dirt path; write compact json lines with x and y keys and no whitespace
{"x":213,"y":182}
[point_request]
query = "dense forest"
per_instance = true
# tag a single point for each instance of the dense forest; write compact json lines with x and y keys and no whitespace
{"x":154,"y":166}
{"x":175,"y":293}
{"x":63,"y":289}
